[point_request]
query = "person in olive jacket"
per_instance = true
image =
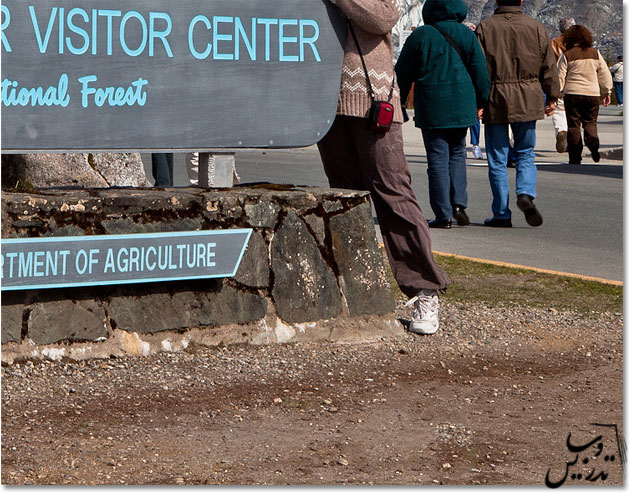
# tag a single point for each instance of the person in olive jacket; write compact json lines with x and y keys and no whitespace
{"x":451,"y":86}
{"x":522,"y":66}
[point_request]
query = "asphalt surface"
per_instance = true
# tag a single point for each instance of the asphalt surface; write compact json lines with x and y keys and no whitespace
{"x":582,"y":206}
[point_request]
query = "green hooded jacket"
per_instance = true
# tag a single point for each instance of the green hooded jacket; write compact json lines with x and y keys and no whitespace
{"x":446,"y":94}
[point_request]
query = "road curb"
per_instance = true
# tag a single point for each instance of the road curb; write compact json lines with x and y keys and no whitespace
{"x":534,"y":269}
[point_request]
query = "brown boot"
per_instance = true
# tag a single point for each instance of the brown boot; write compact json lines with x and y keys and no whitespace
{"x":561,"y":141}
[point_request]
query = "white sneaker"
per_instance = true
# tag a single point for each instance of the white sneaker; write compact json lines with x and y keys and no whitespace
{"x":476,"y":150}
{"x":425,"y":312}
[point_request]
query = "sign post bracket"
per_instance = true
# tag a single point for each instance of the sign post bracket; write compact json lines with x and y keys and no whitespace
{"x":216,"y":169}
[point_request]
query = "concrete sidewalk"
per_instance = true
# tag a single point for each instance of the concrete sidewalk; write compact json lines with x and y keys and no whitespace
{"x":610,"y":129}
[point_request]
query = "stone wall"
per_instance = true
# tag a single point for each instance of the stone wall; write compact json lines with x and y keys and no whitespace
{"x":97,"y":170}
{"x":312,"y":270}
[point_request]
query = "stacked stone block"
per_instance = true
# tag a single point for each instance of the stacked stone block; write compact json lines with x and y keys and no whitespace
{"x":313,"y":256}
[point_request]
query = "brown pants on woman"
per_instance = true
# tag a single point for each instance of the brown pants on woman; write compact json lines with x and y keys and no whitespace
{"x":581,"y":110}
{"x":358,"y":158}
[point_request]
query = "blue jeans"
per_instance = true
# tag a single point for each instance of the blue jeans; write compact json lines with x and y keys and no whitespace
{"x":618,"y":91}
{"x":497,"y":148}
{"x":474,"y":133}
{"x":446,"y":157}
{"x":162,"y":168}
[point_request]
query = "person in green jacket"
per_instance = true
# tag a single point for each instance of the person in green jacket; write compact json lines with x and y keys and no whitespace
{"x":451,"y":87}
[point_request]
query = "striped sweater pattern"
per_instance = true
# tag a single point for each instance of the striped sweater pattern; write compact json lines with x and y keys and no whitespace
{"x":372,"y":21}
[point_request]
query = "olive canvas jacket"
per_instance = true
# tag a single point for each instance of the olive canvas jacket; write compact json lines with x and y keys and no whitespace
{"x":522,"y":66}
{"x":446,"y":93}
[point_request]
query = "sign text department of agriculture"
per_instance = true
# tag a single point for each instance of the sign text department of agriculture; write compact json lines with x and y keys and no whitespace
{"x":56,"y":262}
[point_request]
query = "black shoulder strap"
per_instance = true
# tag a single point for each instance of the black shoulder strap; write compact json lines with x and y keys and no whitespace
{"x":454,"y":45}
{"x":367,"y":76}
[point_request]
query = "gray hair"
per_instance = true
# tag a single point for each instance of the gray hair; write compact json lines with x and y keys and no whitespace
{"x":566,"y":23}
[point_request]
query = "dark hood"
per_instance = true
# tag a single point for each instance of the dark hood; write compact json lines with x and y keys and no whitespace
{"x":443,"y":10}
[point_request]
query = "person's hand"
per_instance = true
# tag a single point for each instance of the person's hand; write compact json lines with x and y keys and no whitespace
{"x":606,"y":100}
{"x":550,"y":108}
{"x":479,"y":113}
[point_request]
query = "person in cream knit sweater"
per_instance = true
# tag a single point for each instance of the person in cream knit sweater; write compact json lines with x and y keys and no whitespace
{"x":357,"y":157}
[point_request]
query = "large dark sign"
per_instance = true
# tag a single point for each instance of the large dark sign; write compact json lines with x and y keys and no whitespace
{"x":160,"y":75}
{"x":38,"y":263}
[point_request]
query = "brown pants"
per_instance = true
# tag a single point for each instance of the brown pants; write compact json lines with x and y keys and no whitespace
{"x":581,"y":110}
{"x":358,"y":158}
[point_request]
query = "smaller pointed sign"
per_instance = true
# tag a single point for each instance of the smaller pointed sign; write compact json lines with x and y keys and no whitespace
{"x":59,"y":262}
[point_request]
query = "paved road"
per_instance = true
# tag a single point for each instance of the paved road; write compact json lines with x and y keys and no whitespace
{"x":582,"y":205}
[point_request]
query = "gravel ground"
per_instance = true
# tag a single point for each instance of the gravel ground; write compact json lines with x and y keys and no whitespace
{"x":490,"y":399}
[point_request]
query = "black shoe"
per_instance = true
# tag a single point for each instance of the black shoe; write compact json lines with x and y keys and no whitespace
{"x":526,"y":204}
{"x":595,"y":155}
{"x":459,"y":214}
{"x":441,"y":223}
{"x":494,"y":222}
